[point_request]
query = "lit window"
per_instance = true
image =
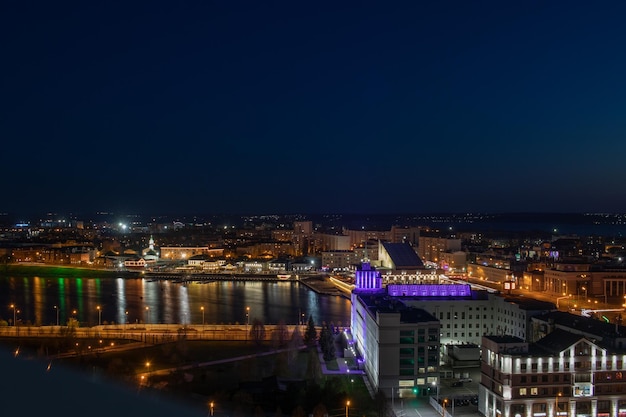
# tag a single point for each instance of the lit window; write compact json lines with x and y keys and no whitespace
{"x":522,"y":391}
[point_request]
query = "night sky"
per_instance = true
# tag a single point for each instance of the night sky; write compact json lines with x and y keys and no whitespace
{"x":305,"y":106}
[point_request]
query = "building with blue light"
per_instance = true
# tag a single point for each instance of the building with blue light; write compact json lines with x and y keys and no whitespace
{"x":399,"y":328}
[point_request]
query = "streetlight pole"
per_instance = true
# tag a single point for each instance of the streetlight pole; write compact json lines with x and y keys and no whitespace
{"x":57,"y":309}
{"x":247,"y":321}
{"x":14,"y":314}
{"x":556,"y":404}
{"x":347,"y":408}
{"x":99,"y":315}
{"x":202,"y":309}
{"x":147,"y":315}
{"x":211,"y":408}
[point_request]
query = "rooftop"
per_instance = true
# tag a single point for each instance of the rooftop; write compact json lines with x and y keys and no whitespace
{"x":558,"y":341}
{"x":403,"y":255}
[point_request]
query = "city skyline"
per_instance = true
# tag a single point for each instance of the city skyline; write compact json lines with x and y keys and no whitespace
{"x":226,"y":107}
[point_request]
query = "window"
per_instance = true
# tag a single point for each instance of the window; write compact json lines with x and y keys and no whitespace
{"x":523,"y":379}
{"x":534,"y":391}
{"x":522,"y":391}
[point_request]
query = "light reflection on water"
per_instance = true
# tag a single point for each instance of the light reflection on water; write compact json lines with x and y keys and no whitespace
{"x":131,"y":300}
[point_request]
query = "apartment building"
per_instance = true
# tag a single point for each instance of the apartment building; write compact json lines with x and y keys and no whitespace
{"x":563,"y":374}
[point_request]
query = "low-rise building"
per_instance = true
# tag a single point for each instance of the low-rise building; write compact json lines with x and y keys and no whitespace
{"x":561,"y":375}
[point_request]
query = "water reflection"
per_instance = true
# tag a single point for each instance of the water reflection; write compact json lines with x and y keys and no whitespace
{"x":139,"y":300}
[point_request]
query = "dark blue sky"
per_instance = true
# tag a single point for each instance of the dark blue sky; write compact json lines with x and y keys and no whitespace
{"x":282,"y":107}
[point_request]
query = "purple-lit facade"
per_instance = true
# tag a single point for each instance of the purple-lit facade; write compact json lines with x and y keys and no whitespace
{"x":429,"y":290}
{"x":398,"y":345}
{"x":367,"y":279}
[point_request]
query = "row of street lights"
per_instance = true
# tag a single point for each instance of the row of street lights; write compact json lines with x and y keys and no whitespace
{"x":99,"y":309}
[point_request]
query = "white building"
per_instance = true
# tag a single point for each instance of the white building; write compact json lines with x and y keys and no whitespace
{"x":563,"y":374}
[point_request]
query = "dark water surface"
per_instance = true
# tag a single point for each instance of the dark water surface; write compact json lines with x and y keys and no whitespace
{"x":131,"y":300}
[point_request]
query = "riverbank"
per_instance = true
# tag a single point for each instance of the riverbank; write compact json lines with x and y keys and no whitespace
{"x":29,"y":270}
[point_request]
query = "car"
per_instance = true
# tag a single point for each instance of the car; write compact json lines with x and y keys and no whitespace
{"x":457,"y":384}
{"x":465,"y":379}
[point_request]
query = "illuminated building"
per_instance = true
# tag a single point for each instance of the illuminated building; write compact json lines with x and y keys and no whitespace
{"x":399,"y":344}
{"x":563,"y":374}
{"x":398,"y":329}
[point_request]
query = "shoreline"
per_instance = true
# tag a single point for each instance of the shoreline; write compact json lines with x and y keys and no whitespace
{"x":317,"y":284}
{"x":48,"y":269}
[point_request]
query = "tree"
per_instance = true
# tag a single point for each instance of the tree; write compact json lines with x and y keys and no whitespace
{"x":327,"y":343}
{"x":280,"y":337}
{"x":310,"y":334}
{"x":294,"y":344}
{"x":257,"y":332}
{"x":313,"y":367}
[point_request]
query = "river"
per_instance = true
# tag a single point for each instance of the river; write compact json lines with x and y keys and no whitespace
{"x":44,"y":300}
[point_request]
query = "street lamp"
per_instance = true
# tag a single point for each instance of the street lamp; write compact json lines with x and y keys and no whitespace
{"x":147,"y":315}
{"x":57,"y":309}
{"x":148,"y":366}
{"x":99,"y":315}
{"x":202,"y":309}
{"x":247,"y":321}
{"x":211,"y":408}
{"x":347,"y":407}
{"x":556,"y":404}
{"x":436,"y":390}
{"x":14,"y":314}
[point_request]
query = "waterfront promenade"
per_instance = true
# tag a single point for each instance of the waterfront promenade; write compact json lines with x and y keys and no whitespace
{"x":152,"y":333}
